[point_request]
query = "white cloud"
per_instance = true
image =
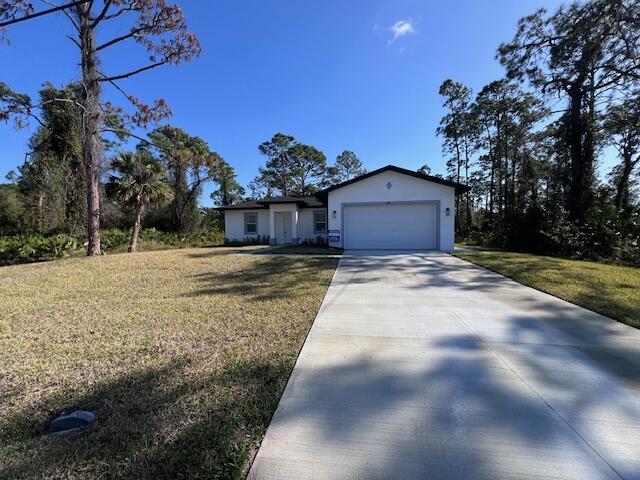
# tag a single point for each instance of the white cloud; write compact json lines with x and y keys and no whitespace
{"x":402,"y":28}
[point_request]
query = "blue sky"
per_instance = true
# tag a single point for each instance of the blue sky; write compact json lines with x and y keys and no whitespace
{"x":361,"y":75}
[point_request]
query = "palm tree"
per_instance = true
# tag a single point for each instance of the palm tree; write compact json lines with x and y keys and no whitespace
{"x":139,"y":179}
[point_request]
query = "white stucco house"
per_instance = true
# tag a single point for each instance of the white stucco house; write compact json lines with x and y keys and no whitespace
{"x":388,"y":208}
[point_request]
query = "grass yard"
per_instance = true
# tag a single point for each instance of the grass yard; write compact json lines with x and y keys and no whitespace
{"x":306,"y":250}
{"x":611,"y":290}
{"x":183,"y":355}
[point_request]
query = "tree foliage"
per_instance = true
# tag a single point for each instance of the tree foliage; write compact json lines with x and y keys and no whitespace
{"x":346,"y":167}
{"x":229,"y":191}
{"x":139,"y":180}
{"x":583,"y":53}
{"x":52,"y":179}
{"x":276,"y":175}
{"x":308,"y":169}
{"x":292,"y":168}
{"x":191,"y":164}
{"x":535,"y":136}
{"x":424,"y":169}
{"x":622,"y":130}
{"x":458,"y":131}
{"x":157,"y":25}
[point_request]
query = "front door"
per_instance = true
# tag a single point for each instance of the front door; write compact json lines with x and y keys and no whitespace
{"x":283,"y":228}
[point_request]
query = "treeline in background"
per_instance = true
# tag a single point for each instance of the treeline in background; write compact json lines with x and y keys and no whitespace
{"x":150,"y":197}
{"x":530,"y":144}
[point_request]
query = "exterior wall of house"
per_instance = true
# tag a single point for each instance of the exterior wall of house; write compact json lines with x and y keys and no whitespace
{"x":301,"y":219}
{"x":234,"y":224}
{"x":403,"y":188}
{"x":305,"y":225}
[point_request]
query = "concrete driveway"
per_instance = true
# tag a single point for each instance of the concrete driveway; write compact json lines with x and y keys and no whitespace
{"x":425,"y":366}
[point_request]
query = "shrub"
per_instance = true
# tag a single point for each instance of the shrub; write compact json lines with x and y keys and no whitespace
{"x":257,"y":240}
{"x":318,"y":241}
{"x":206,"y":238}
{"x":34,"y":248}
{"x":114,"y":238}
{"x":608,"y":235}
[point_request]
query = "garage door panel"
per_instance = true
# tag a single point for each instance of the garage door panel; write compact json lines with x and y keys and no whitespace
{"x":390,"y":226}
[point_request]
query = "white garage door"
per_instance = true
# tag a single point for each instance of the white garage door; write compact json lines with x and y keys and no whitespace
{"x":391,"y":226}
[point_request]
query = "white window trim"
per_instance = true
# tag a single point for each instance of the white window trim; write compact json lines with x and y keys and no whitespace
{"x":320,"y":232}
{"x":250,"y":223}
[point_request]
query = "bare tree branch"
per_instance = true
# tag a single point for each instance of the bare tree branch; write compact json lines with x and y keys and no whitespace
{"x":133,"y":6}
{"x":119,"y":131}
{"x":101,"y":15}
{"x":43,"y":12}
{"x":74,"y":41}
{"x":73,"y":22}
{"x":132,"y":73}
{"x":132,"y":33}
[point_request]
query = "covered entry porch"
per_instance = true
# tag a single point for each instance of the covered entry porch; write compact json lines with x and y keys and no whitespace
{"x":293,"y":220}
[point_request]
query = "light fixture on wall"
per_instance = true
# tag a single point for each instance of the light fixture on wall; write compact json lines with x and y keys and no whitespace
{"x":334,"y":214}
{"x":447,"y":212}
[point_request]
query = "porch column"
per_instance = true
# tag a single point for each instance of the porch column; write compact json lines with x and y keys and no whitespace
{"x":294,"y":225}
{"x":272,"y":225}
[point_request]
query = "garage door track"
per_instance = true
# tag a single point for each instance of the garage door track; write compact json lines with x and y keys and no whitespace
{"x":424,"y":366}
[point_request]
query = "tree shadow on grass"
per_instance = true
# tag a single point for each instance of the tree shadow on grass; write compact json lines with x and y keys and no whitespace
{"x":267,"y":278}
{"x":553,"y":276}
{"x":165,"y":422}
{"x":217,"y":250}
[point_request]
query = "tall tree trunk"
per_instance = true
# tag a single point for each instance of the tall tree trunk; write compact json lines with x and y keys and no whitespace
{"x":92,"y":122}
{"x":466,"y":181}
{"x":589,"y":150}
{"x":499,"y":169}
{"x":458,"y":215}
{"x":513,"y":179}
{"x":492,"y":186}
{"x":578,"y":197}
{"x":40,"y":207}
{"x":622,"y":190}
{"x":180,"y":209}
{"x":135,"y":231}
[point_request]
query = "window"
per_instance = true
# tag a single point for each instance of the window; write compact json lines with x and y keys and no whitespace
{"x":250,"y":223}
{"x":320,"y":222}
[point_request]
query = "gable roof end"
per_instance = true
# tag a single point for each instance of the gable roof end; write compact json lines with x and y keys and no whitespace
{"x":459,"y":187}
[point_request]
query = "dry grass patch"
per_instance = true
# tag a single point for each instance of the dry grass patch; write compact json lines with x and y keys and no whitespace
{"x":182,"y":354}
{"x":611,"y":290}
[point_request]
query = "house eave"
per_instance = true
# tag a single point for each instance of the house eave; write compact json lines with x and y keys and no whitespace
{"x":458,"y":187}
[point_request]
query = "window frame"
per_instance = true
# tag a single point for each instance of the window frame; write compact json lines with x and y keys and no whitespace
{"x":326,"y":225}
{"x":246,"y":215}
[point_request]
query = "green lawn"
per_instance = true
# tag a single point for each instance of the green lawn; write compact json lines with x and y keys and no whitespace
{"x":182,"y":354}
{"x":611,"y":290}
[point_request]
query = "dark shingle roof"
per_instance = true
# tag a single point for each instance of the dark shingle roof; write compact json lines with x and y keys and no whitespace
{"x":304,"y":202}
{"x":248,"y":205}
{"x":308,"y":201}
